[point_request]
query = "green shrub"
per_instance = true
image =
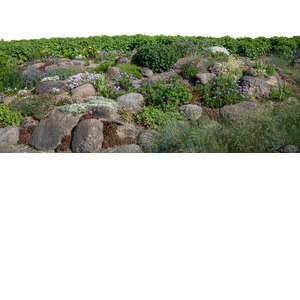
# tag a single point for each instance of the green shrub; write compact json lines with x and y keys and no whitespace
{"x":158,"y":58}
{"x":124,"y":82}
{"x":166,"y":95}
{"x":221,"y":91}
{"x":264,"y":69}
{"x":4,"y":67}
{"x":154,"y":118}
{"x":189,"y":71}
{"x":103,"y":67}
{"x":8,"y":117}
{"x":281,"y":93}
{"x":220,"y":56}
{"x":185,"y":48}
{"x":130,"y":69}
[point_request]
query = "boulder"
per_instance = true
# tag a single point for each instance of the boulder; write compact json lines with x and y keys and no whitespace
{"x":50,"y":131}
{"x":288,"y":149}
{"x":236,"y":112}
{"x":8,"y":99}
{"x":28,"y":122}
{"x":217,"y":49}
{"x":274,"y":80}
{"x":255,"y":86}
{"x":131,"y":101}
{"x":78,"y":63}
{"x":250,"y":72}
{"x":113,"y":73}
{"x":8,"y":136}
{"x":146,"y":72}
{"x":50,"y":87}
{"x":83,"y":91}
{"x":131,"y":148}
{"x":88,"y":136}
{"x":105,"y":112}
{"x":146,"y":139}
{"x":127,"y":133}
{"x":191,"y":111}
{"x":204,"y":78}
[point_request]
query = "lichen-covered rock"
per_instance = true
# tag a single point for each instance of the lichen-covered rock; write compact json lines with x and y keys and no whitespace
{"x":50,"y":87}
{"x":83,"y":91}
{"x":256,"y":87}
{"x":237,"y":112}
{"x":8,"y":136}
{"x":88,"y":136}
{"x":131,"y":101}
{"x":105,"y":112}
{"x":204,"y":78}
{"x":50,"y":131}
{"x":147,"y":138}
{"x":191,"y":111}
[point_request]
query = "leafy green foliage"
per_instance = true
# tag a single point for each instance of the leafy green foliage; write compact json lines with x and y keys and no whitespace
{"x":155,"y":118}
{"x":124,"y":82}
{"x":189,"y":71}
{"x":4,"y":67}
{"x":281,"y":93}
{"x":221,"y":91}
{"x":264,"y":69}
{"x":158,"y":58}
{"x":103,"y":67}
{"x":166,"y":94}
{"x":130,"y":69}
{"x":220,"y":56}
{"x":185,"y":48}
{"x":8,"y":117}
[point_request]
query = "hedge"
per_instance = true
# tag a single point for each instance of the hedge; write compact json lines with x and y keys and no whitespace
{"x":24,"y":50}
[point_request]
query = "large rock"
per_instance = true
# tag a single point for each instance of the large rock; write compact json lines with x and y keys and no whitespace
{"x":191,"y":111}
{"x":8,"y":136}
{"x":204,"y":78}
{"x":147,"y":138}
{"x":50,"y":131}
{"x":50,"y":87}
{"x":132,"y":148}
{"x":255,"y":86}
{"x":105,"y":112}
{"x":83,"y":91}
{"x":274,"y":80}
{"x":88,"y":136}
{"x":288,"y":149}
{"x":131,"y":101}
{"x":147,"y":72}
{"x":237,"y":112}
{"x":127,"y":133}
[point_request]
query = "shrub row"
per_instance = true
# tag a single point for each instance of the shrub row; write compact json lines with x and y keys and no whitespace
{"x":24,"y":50}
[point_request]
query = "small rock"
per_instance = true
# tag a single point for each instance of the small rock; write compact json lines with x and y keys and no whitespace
{"x":88,"y":136}
{"x":8,"y":136}
{"x":257,"y":87}
{"x":131,"y":101}
{"x":204,"y":78}
{"x":146,"y":138}
{"x":250,"y":72}
{"x":296,"y":63}
{"x":217,"y":49}
{"x":28,"y":122}
{"x":8,"y":99}
{"x":131,"y":148}
{"x":288,"y":149}
{"x":147,"y":72}
{"x":113,"y":73}
{"x":191,"y":111}
{"x":83,"y":91}
{"x":122,"y":60}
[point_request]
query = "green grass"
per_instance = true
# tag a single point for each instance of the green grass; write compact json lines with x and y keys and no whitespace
{"x":265,"y":133}
{"x":103,"y":67}
{"x":130,"y":69}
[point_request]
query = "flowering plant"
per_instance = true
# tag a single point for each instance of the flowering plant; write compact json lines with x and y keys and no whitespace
{"x":82,"y":78}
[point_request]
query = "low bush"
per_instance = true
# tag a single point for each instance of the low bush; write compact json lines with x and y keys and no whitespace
{"x":166,"y":95}
{"x":154,"y":118}
{"x":281,"y":93}
{"x":103,"y":67}
{"x":158,"y":58}
{"x":124,"y":82}
{"x":220,"y":56}
{"x":130,"y":69}
{"x":185,"y":48}
{"x":8,"y":117}
{"x":189,"y":71}
{"x":264,"y":69}
{"x":221,"y":91}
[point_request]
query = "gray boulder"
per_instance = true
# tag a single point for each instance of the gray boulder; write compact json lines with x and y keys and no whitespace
{"x":50,"y":131}
{"x":146,"y":139}
{"x":83,"y":91}
{"x":255,"y":86}
{"x":105,"y":112}
{"x":50,"y":87}
{"x":204,"y":78}
{"x":131,"y":101}
{"x":147,"y":72}
{"x":122,"y":60}
{"x":237,"y":112}
{"x":131,"y":148}
{"x":88,"y":136}
{"x":191,"y":111}
{"x":127,"y":133}
{"x":8,"y":136}
{"x":217,"y":49}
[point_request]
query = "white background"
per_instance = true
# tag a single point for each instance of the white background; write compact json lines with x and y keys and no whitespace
{"x":58,"y":18}
{"x":149,"y":226}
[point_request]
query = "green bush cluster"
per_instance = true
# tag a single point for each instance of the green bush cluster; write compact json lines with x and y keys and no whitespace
{"x":8,"y":117}
{"x":4,"y":68}
{"x":221,"y":91}
{"x":281,"y":93}
{"x":154,"y":118}
{"x":158,"y":58}
{"x":130,"y":69}
{"x":166,"y":95}
{"x":24,"y":50}
{"x":264,"y":69}
{"x":189,"y":71}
